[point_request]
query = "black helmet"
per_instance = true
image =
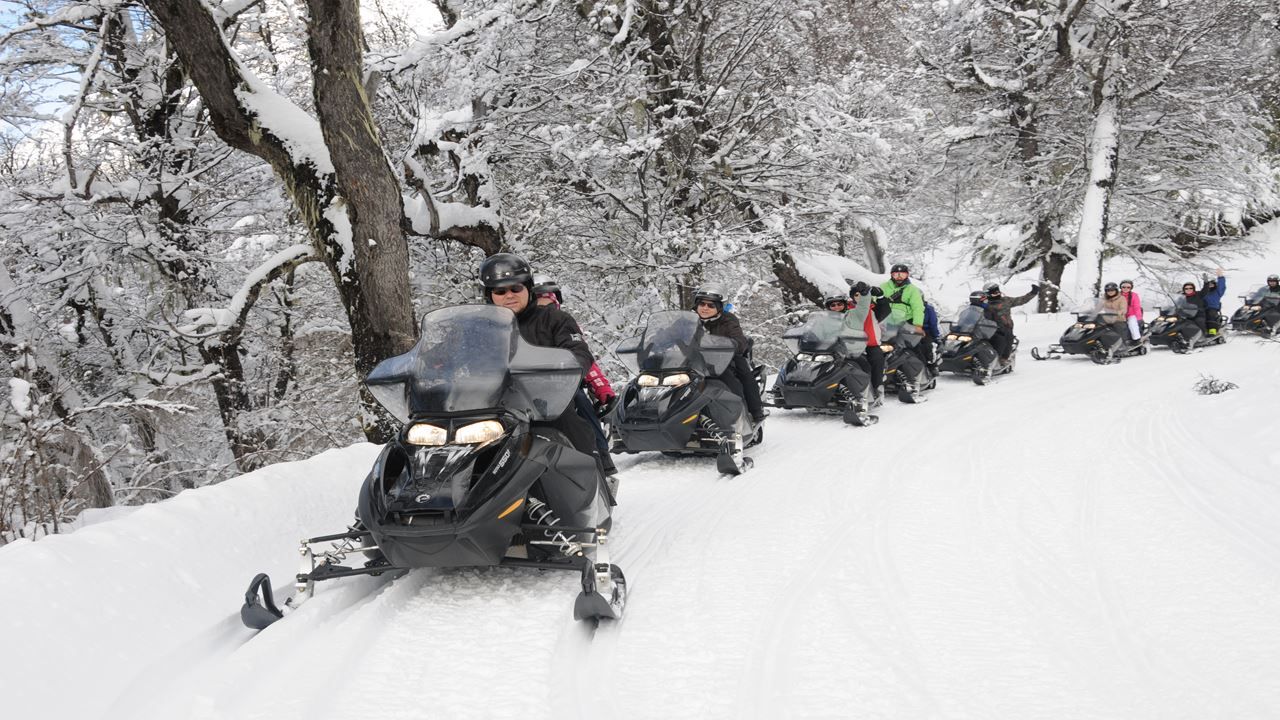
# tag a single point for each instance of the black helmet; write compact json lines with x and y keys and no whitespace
{"x":710,"y":293}
{"x":977,"y":297}
{"x":830,"y":300}
{"x":991,"y":288}
{"x":505,"y":269}
{"x":1127,"y":282}
{"x":899,"y":267}
{"x":1110,"y":287}
{"x":859,"y":288}
{"x":543,"y":284}
{"x":1273,"y":279}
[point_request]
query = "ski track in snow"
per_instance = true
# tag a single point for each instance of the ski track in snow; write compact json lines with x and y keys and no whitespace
{"x":1072,"y":541}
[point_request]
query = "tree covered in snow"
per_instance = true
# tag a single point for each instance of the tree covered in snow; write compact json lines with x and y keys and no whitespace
{"x":1098,"y":126}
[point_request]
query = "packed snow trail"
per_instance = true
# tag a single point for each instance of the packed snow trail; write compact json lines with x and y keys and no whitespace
{"x":1072,"y":541}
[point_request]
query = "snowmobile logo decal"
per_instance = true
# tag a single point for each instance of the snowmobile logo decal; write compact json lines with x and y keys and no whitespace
{"x":502,"y":460}
{"x":423,"y":498}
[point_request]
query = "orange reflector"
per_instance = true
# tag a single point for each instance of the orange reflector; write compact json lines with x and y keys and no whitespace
{"x":832,"y":385}
{"x":689,"y":419}
{"x":511,"y":509}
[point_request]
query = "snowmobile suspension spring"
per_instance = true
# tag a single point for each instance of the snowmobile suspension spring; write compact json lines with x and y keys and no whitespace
{"x":541,"y":514}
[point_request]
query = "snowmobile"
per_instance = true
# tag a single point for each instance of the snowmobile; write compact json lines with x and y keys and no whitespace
{"x":1176,"y":327}
{"x":676,"y":402}
{"x":905,"y":370}
{"x":967,"y":348}
{"x":825,"y":372}
{"x":1260,"y":313}
{"x":476,"y":476}
{"x":1097,"y":335}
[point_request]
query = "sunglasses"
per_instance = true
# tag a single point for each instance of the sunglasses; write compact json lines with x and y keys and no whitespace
{"x":837,"y":304}
{"x":1126,"y":287}
{"x":706,"y":303}
{"x":513,"y":289}
{"x":898,"y":272}
{"x":1188,"y":287}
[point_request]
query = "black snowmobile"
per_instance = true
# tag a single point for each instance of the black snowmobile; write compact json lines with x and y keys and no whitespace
{"x":676,"y":403}
{"x":1176,"y":327}
{"x":826,"y":371}
{"x":1260,"y":313}
{"x":476,"y":476}
{"x":1097,"y":335}
{"x":905,"y":371}
{"x":967,"y":348}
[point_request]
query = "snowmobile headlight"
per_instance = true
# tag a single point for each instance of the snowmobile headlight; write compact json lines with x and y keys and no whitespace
{"x":953,"y":336}
{"x":1090,"y":326}
{"x":886,"y":348}
{"x":965,"y":338}
{"x":647,"y":381}
{"x":823,"y":358}
{"x":676,"y":380}
{"x":1078,"y":325}
{"x":425,"y":434}
{"x":479,"y":433}
{"x":804,"y":357}
{"x":1255,"y":308}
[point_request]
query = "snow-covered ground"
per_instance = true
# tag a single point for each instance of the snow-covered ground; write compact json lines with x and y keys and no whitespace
{"x":1074,"y":541}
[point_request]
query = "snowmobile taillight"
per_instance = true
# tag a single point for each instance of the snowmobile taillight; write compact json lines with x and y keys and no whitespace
{"x":647,"y":381}
{"x":676,"y":380}
{"x":479,"y":433}
{"x":426,"y":434}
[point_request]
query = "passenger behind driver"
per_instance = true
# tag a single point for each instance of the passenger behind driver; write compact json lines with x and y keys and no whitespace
{"x":708,"y":303}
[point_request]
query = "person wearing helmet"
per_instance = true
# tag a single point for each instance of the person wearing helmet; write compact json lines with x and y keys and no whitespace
{"x":1133,"y":311}
{"x":1191,"y":298}
{"x":1214,"y":289}
{"x":1000,"y":309}
{"x":1114,"y":306}
{"x":1273,"y":284}
{"x":907,"y":308}
{"x":835,"y":303}
{"x":508,"y":282}
{"x":867,"y":308}
{"x":708,"y":303}
{"x":603,"y":397}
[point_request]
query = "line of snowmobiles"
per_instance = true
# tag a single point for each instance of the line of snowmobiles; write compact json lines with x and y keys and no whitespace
{"x":478,"y":474}
{"x":1259,"y":315}
{"x":1104,"y":338}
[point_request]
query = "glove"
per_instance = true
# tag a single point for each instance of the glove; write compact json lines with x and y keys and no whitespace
{"x":859,"y":288}
{"x":876,"y":291}
{"x":604,"y":407}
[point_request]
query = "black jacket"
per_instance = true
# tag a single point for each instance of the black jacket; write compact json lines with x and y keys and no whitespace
{"x":549,"y":326}
{"x":727,"y":325}
{"x":1001,"y":309}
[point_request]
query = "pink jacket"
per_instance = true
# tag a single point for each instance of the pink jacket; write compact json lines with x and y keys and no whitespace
{"x":1135,"y":306}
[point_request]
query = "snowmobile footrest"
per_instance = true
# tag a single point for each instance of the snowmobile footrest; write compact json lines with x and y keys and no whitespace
{"x":255,"y":614}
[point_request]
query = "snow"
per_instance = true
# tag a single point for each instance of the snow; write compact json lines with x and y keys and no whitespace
{"x":216,"y":320}
{"x":1074,"y":541}
{"x":20,"y":397}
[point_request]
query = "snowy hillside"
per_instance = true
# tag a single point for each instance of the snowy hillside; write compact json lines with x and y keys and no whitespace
{"x":1074,"y":541}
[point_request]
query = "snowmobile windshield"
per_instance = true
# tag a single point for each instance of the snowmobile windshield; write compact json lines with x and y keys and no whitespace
{"x":676,"y":340}
{"x":1096,"y":312}
{"x":825,"y":332}
{"x":1257,"y":297}
{"x":900,"y":330}
{"x":968,"y":320}
{"x":1185,"y":309}
{"x":471,"y":357}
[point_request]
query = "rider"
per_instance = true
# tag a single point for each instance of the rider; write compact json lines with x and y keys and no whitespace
{"x":1212,"y":294}
{"x":1193,"y":299}
{"x":1000,"y":309}
{"x":866,"y":317}
{"x":1114,"y":305}
{"x":548,"y":292}
{"x":1133,"y":313}
{"x":708,"y":303}
{"x":1273,"y":284}
{"x":906,"y":306}
{"x":508,"y":283}
{"x":835,"y":303}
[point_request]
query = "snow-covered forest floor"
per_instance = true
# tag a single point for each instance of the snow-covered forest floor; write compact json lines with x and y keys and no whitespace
{"x":1074,"y":541}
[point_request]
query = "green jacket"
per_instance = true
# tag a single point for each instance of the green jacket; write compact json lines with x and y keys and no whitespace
{"x":906,"y":303}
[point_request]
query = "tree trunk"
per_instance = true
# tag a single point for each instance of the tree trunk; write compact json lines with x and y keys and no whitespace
{"x":345,"y":192}
{"x":1051,"y":268}
{"x":1103,"y":167}
{"x":796,"y":288}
